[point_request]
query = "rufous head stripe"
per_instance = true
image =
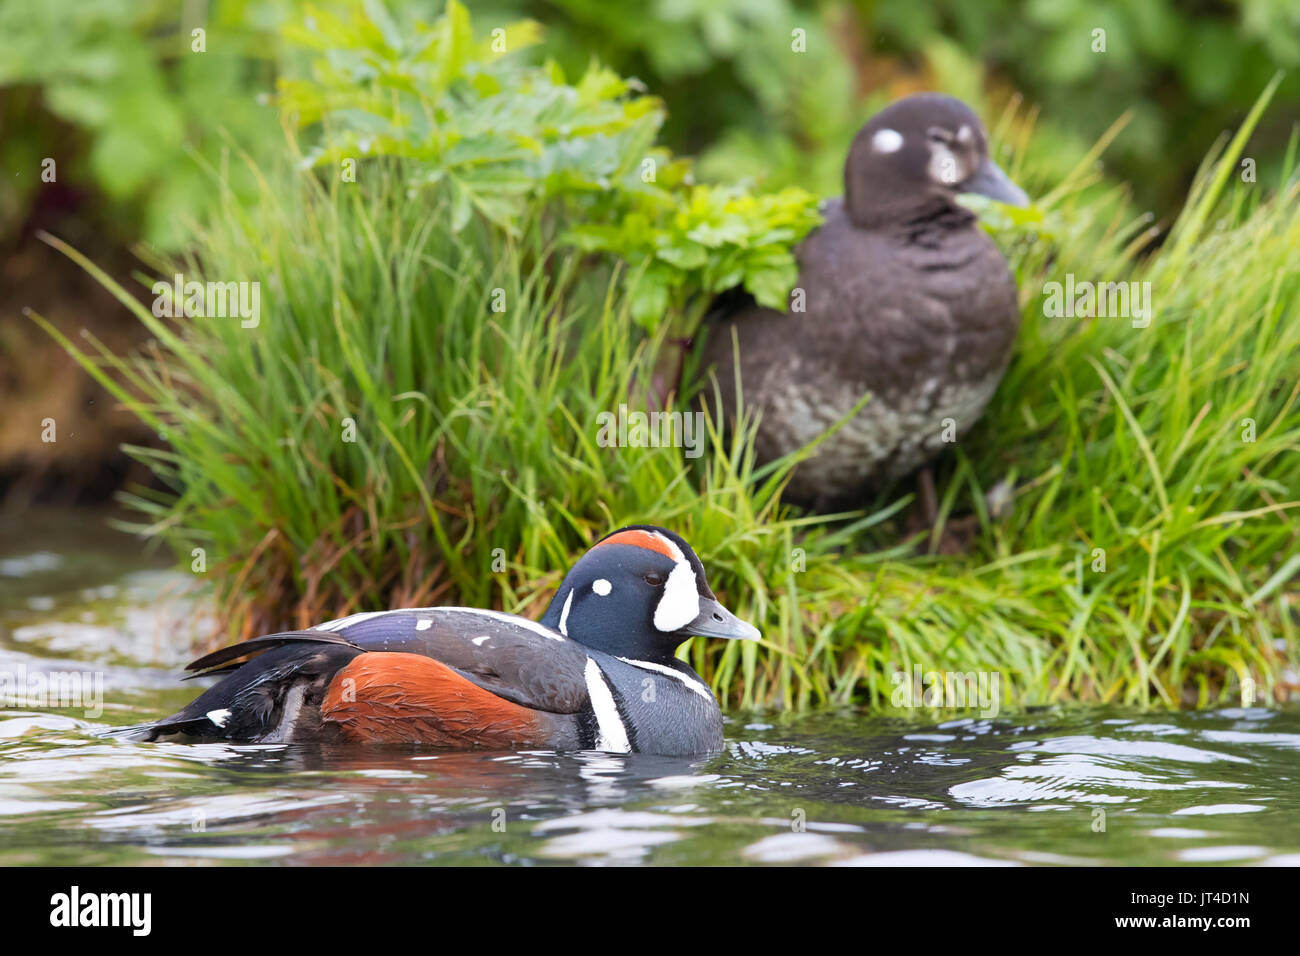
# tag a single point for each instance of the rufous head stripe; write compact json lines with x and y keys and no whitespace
{"x":643,"y":539}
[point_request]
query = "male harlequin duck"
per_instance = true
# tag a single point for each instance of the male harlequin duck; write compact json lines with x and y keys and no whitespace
{"x":906,"y":298}
{"x":597,"y":672}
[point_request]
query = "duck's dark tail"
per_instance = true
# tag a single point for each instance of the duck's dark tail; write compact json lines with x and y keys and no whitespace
{"x":274,"y":697}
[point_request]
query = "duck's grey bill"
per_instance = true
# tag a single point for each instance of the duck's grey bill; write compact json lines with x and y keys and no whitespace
{"x":989,"y":180}
{"x":716,"y":621}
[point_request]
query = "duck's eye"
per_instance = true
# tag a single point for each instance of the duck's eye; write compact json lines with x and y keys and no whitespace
{"x":937,"y":135}
{"x":654,"y":579}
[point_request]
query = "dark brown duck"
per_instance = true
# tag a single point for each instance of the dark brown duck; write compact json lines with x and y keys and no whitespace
{"x":905,"y":298}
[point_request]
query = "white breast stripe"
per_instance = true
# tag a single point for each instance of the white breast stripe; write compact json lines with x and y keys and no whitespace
{"x":664,"y":669}
{"x":564,"y":615}
{"x":612,"y":736}
{"x":345,"y":622}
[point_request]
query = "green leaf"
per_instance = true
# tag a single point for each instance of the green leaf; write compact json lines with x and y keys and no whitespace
{"x":771,"y":286}
{"x":650,"y":298}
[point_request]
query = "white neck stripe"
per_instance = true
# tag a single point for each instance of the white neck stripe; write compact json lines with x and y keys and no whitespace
{"x":694,"y":685}
{"x":564,"y":615}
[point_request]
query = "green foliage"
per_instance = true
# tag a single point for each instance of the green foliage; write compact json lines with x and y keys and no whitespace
{"x":125,"y":75}
{"x":491,"y":134}
{"x":122,"y":76}
{"x":720,"y":238}
{"x":497,"y":132}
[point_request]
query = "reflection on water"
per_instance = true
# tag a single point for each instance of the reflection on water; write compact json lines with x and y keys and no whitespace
{"x":825,"y":788}
{"x":845,"y":788}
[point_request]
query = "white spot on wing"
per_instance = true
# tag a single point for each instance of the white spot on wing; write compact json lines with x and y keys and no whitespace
{"x":423,"y":624}
{"x":887,"y":141}
{"x":478,"y":641}
{"x":218,"y":717}
{"x":611,"y":734}
{"x":601,"y":586}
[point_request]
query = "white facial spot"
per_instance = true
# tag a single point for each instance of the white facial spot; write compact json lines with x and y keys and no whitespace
{"x":601,"y":586}
{"x":944,"y":167}
{"x":680,"y":603}
{"x":887,"y":141}
{"x":965,"y":134}
{"x":564,"y":615}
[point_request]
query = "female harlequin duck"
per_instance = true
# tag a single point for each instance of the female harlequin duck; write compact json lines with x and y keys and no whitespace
{"x":597,"y":673}
{"x":906,"y":298}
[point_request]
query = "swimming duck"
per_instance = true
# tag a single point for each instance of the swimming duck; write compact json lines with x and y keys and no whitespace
{"x":905,"y":297}
{"x":598,"y":672}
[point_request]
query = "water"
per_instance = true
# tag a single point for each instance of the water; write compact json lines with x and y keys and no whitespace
{"x":1077,"y":786}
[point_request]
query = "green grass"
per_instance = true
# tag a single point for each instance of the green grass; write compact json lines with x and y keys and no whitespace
{"x":476,"y":431}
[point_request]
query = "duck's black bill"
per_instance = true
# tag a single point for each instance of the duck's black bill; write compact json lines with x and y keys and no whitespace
{"x":716,"y":621}
{"x":989,"y":180}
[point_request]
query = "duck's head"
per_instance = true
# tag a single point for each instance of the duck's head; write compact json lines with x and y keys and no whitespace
{"x":640,"y":592}
{"x":917,"y":152}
